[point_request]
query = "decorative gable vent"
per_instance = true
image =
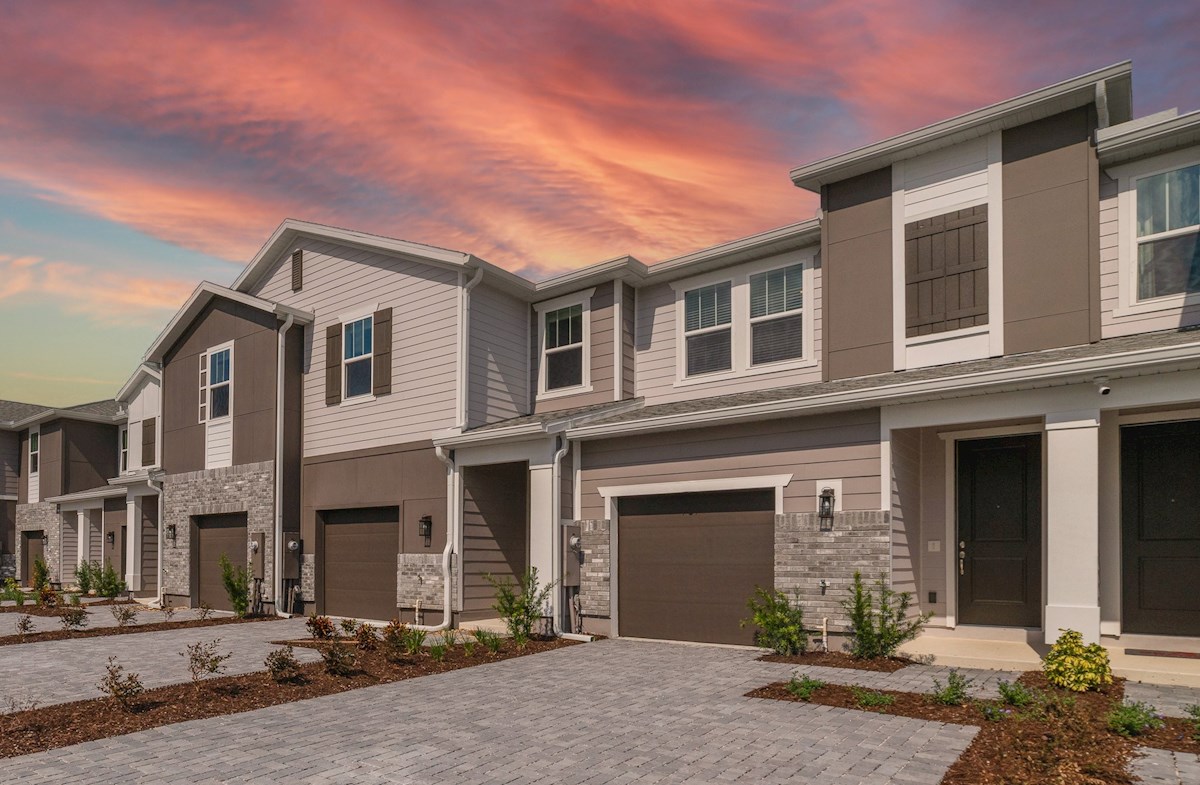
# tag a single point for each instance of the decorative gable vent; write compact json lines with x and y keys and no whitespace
{"x":297,"y":270}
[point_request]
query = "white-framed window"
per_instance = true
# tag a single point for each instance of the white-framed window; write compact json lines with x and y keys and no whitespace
{"x":564,"y":338}
{"x":357,"y":355}
{"x":752,"y":319}
{"x":1168,"y":233}
{"x":216,"y":383}
{"x":35,"y":451}
{"x":124,"y":447}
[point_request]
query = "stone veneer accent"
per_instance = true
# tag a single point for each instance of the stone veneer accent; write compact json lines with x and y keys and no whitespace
{"x":248,"y":488}
{"x":8,"y":566}
{"x":43,"y":516}
{"x":595,"y":574}
{"x":308,"y":577}
{"x":805,"y":555}
{"x":419,"y":577}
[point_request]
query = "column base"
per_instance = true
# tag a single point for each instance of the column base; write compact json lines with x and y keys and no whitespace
{"x":1082,"y":618}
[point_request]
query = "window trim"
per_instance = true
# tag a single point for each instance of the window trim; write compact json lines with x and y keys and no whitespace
{"x":1127,"y":176}
{"x":369,"y":358}
{"x":584,"y":299}
{"x":742,"y":337}
{"x":123,"y":449}
{"x":35,"y":432}
{"x":205,"y":402}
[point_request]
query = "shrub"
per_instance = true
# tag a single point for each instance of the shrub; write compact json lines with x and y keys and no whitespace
{"x":871,"y":698}
{"x":320,"y":627}
{"x":108,"y":582}
{"x":204,"y":612}
{"x":469,"y":643}
{"x":282,"y":665}
{"x":24,"y":624}
{"x":339,"y":658}
{"x":414,"y":641}
{"x":520,"y":604}
{"x":40,"y":577}
{"x":1016,"y":694}
{"x":12,"y":591}
{"x":85,"y":576}
{"x":449,"y":637}
{"x":73,"y":618}
{"x":1133,"y":718}
{"x":393,"y":640}
{"x":780,"y":625}
{"x":168,"y":612}
{"x":349,"y":626}
{"x":490,"y":640}
{"x":878,"y":627}
{"x":46,"y":597}
{"x":204,"y":660}
{"x":73,"y":599}
{"x":437,"y":651}
{"x":124,"y":688}
{"x":804,"y":687}
{"x":365,"y":638}
{"x":955,"y":691}
{"x":993,"y":713}
{"x":1073,"y":666}
{"x":1193,"y":713}
{"x":124,"y":614}
{"x":236,"y":581}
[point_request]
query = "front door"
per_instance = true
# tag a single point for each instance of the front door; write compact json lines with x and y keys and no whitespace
{"x":1160,"y":528}
{"x":999,"y":558}
{"x":32,"y":549}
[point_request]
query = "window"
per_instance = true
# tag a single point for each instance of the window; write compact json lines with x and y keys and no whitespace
{"x":216,"y":370}
{"x":357,"y":351}
{"x":563,"y":350}
{"x":708,"y":316}
{"x":777,"y":315}
{"x":34,"y":451}
{"x":124,"y":449}
{"x":1168,"y":233}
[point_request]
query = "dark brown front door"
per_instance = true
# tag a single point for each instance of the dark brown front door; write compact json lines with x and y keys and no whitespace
{"x":31,"y":549}
{"x":358,"y":562}
{"x":1160,"y":524}
{"x":217,"y":535}
{"x":687,"y":564}
{"x":999,"y":558}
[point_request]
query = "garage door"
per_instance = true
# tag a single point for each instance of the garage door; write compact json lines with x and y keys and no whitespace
{"x":687,"y":563}
{"x":359,"y":562}
{"x":218,"y":535}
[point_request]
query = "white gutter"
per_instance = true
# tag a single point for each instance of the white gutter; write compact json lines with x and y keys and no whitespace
{"x":464,"y":346}
{"x":279,"y":402}
{"x":448,"y":551}
{"x":556,"y":535}
{"x":157,"y":484}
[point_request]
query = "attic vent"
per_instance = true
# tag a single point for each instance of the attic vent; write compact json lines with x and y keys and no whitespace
{"x":297,"y":270}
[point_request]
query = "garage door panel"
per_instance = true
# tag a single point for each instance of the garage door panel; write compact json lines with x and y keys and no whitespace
{"x":359,"y":562}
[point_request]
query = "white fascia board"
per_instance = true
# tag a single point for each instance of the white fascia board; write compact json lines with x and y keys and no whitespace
{"x":768,"y":243}
{"x":67,"y":414}
{"x":452,"y":438}
{"x":83,"y":496}
{"x":1138,"y":138}
{"x":144,"y":371}
{"x":906,"y":392}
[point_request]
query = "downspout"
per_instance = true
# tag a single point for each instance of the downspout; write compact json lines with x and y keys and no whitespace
{"x":556,"y":534}
{"x":279,"y":402}
{"x":156,"y":484}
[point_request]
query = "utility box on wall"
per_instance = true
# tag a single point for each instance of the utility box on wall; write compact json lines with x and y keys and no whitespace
{"x":291,"y":556}
{"x":257,"y":549}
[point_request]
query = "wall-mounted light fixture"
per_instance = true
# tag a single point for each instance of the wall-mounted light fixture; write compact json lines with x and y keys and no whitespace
{"x":825,"y":505}
{"x":293,"y":545}
{"x":45,"y":539}
{"x":254,"y":546}
{"x":425,"y":529}
{"x":110,"y":538}
{"x":575,"y":542}
{"x":171,"y":532}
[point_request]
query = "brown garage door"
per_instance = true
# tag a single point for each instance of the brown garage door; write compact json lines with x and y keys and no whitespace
{"x":218,"y":535}
{"x":687,"y":563}
{"x":358,"y":569}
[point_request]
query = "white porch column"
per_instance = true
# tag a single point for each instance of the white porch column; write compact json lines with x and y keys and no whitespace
{"x":82,"y":530}
{"x":133,"y":543}
{"x":1073,"y":524}
{"x":543,"y":505}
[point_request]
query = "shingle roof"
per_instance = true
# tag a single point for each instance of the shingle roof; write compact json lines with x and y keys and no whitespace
{"x":107,"y":408}
{"x":15,"y":411}
{"x":561,"y":414}
{"x":11,"y":411}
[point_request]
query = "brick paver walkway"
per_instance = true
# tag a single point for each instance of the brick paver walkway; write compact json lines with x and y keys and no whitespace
{"x":914,"y":678}
{"x":1171,"y":701}
{"x":100,"y":616}
{"x":1163,"y":767}
{"x":602,"y":713}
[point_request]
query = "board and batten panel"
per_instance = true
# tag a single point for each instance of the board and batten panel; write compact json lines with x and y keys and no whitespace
{"x":424,"y":302}
{"x":841,"y":446}
{"x":906,"y":512}
{"x":601,"y":365}
{"x":628,"y":350}
{"x":142,"y":405}
{"x":656,"y":362}
{"x":498,"y":376}
{"x":10,"y":462}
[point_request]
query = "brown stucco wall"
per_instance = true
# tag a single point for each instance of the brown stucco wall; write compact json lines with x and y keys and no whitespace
{"x":1051,"y":233}
{"x":89,"y":455}
{"x":50,"y":461}
{"x":856,"y":250}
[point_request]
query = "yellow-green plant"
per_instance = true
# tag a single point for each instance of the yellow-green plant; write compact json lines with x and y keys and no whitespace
{"x":1072,"y":665}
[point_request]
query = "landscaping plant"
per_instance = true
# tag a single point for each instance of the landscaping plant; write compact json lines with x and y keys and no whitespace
{"x":204,"y":611}
{"x":24,"y":625}
{"x":469,"y":643}
{"x":339,"y":658}
{"x":168,"y":612}
{"x":40,"y":577}
{"x":365,"y":638}
{"x":73,"y":618}
{"x":804,"y":687}
{"x":871,"y":698}
{"x":437,"y":651}
{"x":1133,"y":718}
{"x":236,"y":581}
{"x":74,"y":599}
{"x":780,"y":624}
{"x":282,"y":665}
{"x":46,"y":597}
{"x":124,"y":688}
{"x":490,"y":640}
{"x":85,"y":576}
{"x":414,"y":641}
{"x":349,"y":626}
{"x":993,"y":713}
{"x":878,"y":627}
{"x":12,"y":591}
{"x":1015,"y":693}
{"x":1193,"y":713}
{"x":204,"y":660}
{"x":394,"y":635}
{"x":1073,"y":666}
{"x":955,"y":691}
{"x":321,"y":627}
{"x":124,"y":614}
{"x":108,"y":582}
{"x":520,"y":604}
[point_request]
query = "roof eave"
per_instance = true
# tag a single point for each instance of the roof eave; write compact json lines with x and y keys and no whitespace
{"x":1115,"y":145}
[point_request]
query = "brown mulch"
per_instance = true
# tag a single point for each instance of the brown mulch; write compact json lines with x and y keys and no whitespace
{"x":1176,"y":734}
{"x":36,"y":610}
{"x":840,"y":659}
{"x":99,"y":632}
{"x":65,"y":724}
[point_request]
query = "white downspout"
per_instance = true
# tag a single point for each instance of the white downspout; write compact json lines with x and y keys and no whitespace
{"x":279,"y":402}
{"x":157,"y":485}
{"x":556,"y":534}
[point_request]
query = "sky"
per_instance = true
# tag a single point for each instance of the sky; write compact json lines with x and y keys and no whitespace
{"x":145,"y":146}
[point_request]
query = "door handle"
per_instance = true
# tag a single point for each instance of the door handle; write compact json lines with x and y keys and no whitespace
{"x":962,"y":556}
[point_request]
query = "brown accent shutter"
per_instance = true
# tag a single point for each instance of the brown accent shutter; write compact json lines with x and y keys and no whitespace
{"x":945,"y":272}
{"x":297,"y":270}
{"x":148,"y":455}
{"x":333,"y":364}
{"x":382,"y":363}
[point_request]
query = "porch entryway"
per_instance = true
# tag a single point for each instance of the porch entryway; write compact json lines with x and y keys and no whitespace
{"x":495,"y":526}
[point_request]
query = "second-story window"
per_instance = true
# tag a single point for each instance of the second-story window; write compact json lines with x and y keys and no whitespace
{"x":707,"y":328}
{"x":1168,"y":233}
{"x":124,"y":439}
{"x":357,"y":352}
{"x":216,"y":379}
{"x":564,"y":347}
{"x":34,"y":451}
{"x":777,"y":315}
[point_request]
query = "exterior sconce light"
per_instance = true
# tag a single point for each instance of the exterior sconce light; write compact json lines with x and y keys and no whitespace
{"x":425,"y":529}
{"x":575,"y":543}
{"x":825,"y":505}
{"x":111,"y":538}
{"x":254,"y":546}
{"x":45,"y":539}
{"x":171,"y":532}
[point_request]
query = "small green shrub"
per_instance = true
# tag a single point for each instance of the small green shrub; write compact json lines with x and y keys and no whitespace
{"x":124,"y":688}
{"x":469,"y":644}
{"x":47,"y":597}
{"x":12,"y":592}
{"x":74,"y":600}
{"x":204,"y":611}
{"x":1073,"y":666}
{"x":955,"y":691}
{"x":321,"y":627}
{"x":236,"y":581}
{"x":520,"y":604}
{"x":1193,"y":713}
{"x":339,"y":658}
{"x":414,"y":641}
{"x":1014,"y":693}
{"x":124,"y":614}
{"x":349,"y":626}
{"x":365,"y":638}
{"x":40,"y":577}
{"x":24,"y":625}
{"x":393,"y":640}
{"x":871,"y":698}
{"x":449,"y":637}
{"x":204,"y":660}
{"x":780,"y":624}
{"x":878,"y":627}
{"x":282,"y":665}
{"x":994,"y":713}
{"x":85,"y":576}
{"x":73,"y":618}
{"x":490,"y":640}
{"x":108,"y":582}
{"x":437,"y":651}
{"x":804,"y":687}
{"x":1133,"y":718}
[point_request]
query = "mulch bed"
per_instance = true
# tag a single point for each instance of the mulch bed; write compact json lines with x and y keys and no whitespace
{"x":99,"y":632}
{"x":65,"y":724}
{"x":1067,"y":743}
{"x":839,"y":659}
{"x":36,"y":610}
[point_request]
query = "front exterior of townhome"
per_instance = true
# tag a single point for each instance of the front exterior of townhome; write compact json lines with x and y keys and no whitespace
{"x":973,"y":374}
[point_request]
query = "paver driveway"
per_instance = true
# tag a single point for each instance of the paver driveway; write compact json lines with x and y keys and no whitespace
{"x":609,"y":712}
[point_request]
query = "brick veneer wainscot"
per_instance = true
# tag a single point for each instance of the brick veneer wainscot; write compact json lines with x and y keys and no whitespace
{"x":419,"y":578}
{"x":595,"y":574}
{"x":43,"y":516}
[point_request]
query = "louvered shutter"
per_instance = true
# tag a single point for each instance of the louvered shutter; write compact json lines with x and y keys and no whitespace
{"x":333,"y":364}
{"x":382,"y":370}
